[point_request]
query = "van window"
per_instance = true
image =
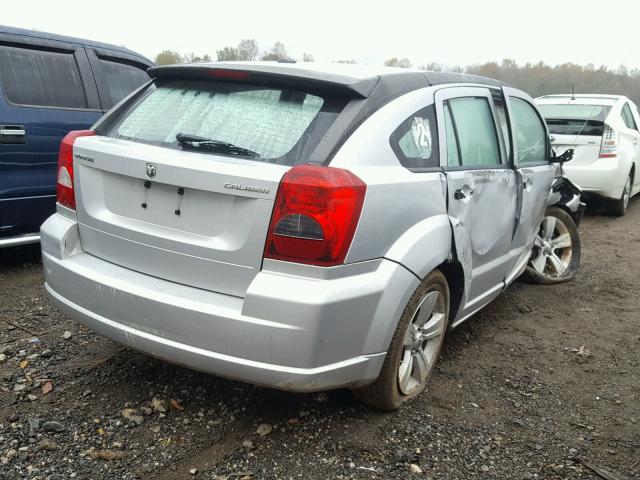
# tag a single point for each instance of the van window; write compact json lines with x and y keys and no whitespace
{"x":41,"y":78}
{"x":531,"y":136}
{"x":476,"y":131}
{"x":415,"y":141}
{"x":121,"y":78}
{"x":277,"y":125}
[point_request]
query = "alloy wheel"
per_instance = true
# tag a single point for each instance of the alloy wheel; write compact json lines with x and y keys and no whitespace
{"x":552,"y":248}
{"x":421,"y":343}
{"x":626,"y":194}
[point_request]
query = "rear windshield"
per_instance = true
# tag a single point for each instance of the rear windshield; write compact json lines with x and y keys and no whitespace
{"x":276,"y":125}
{"x":575,"y":119}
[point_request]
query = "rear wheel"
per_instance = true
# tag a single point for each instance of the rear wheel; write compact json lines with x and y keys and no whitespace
{"x":555,"y":256}
{"x":414,"y":348}
{"x":619,"y":207}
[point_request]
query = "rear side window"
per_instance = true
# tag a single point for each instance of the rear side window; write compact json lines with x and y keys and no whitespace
{"x":531,"y":136}
{"x":627,"y":116}
{"x":415,"y":141}
{"x":41,"y":78}
{"x":277,"y":124}
{"x":475,"y":131}
{"x":121,"y":78}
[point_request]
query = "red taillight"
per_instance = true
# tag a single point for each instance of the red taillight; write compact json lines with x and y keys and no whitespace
{"x":609,"y":144}
{"x":64,"y":185}
{"x":315,"y":215}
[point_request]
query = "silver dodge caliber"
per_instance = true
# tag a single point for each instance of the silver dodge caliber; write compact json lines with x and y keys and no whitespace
{"x":298,"y":226}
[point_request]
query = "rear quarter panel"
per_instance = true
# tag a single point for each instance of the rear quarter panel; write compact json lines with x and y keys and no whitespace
{"x":404,"y":217}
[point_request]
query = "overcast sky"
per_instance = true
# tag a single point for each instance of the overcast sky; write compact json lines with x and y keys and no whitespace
{"x":450,"y":32}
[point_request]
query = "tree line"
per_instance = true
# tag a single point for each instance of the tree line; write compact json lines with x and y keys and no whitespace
{"x":534,"y":78}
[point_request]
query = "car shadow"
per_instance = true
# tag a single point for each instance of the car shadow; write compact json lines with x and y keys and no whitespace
{"x":23,"y":255}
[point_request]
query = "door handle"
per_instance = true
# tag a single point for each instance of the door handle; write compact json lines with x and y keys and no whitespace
{"x":13,"y":134}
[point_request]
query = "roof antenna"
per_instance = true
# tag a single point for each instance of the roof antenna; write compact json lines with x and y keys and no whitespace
{"x":573,"y":91}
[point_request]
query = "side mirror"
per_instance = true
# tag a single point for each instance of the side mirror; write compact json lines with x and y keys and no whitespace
{"x":565,"y":157}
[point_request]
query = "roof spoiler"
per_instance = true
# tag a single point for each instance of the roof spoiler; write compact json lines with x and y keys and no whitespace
{"x":289,"y":77}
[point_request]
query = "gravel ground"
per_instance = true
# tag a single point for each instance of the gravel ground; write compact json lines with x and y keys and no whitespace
{"x":544,"y":375}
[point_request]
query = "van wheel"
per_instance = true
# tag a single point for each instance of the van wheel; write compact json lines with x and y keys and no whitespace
{"x":619,"y":207}
{"x":555,"y":256}
{"x":414,"y":348}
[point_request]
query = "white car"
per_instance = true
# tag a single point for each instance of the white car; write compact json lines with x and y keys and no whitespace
{"x":603,"y":131}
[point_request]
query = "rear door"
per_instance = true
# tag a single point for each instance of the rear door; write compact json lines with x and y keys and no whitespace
{"x":535,"y":174}
{"x":47,"y":90}
{"x":632,"y":137}
{"x":191,"y":215}
{"x":481,"y":190}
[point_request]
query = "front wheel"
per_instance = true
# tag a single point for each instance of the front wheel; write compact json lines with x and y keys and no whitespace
{"x":555,"y":256}
{"x":414,"y":348}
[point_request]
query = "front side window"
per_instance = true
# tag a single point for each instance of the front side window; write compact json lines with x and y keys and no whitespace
{"x":627,"y":116}
{"x":476,"y":131}
{"x":268,"y":121}
{"x":415,"y":141}
{"x":121,"y":78}
{"x":530,"y":134}
{"x":41,"y":78}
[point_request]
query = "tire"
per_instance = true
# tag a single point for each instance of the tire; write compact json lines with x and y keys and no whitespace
{"x":555,"y":256}
{"x":619,"y":207}
{"x":410,"y":348}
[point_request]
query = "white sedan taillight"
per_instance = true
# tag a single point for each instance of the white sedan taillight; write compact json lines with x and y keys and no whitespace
{"x":609,"y":145}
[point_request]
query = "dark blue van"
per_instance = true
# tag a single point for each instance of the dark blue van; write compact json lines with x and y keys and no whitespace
{"x":49,"y":85}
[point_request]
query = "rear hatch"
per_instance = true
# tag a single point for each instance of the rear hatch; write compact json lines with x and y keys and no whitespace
{"x":576,"y":126}
{"x":195,"y":211}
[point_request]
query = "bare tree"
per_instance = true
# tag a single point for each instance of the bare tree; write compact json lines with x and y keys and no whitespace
{"x":168,"y":57}
{"x":395,"y":62}
{"x":228,"y":54}
{"x":277,"y":52}
{"x":248,"y":49}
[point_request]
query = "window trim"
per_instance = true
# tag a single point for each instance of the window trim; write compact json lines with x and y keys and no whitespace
{"x":86,"y":79}
{"x":452,"y":92}
{"x":398,"y":133}
{"x":509,"y":92}
{"x":627,"y":107}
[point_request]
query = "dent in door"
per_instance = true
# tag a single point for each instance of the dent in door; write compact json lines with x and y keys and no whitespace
{"x":488,"y":185}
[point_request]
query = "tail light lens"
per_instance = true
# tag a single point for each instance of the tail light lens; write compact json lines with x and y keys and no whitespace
{"x":315,"y":215}
{"x":609,"y":146}
{"x":64,"y":187}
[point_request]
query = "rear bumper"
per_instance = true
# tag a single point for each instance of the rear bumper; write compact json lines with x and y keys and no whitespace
{"x":300,"y":329}
{"x":604,"y":177}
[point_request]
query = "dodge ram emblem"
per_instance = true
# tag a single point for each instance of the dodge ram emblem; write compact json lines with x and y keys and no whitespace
{"x":151,"y":170}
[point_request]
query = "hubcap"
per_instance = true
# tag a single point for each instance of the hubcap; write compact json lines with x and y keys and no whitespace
{"x":552,"y":248}
{"x":421,"y":343}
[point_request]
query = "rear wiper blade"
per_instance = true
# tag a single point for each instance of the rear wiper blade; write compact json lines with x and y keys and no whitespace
{"x":195,"y":141}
